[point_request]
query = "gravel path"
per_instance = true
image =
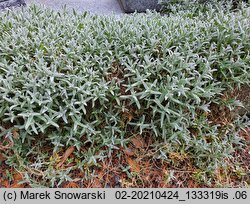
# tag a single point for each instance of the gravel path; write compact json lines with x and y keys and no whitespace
{"x":102,"y":7}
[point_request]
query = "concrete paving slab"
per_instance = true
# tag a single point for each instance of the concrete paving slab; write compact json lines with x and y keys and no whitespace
{"x":101,"y":7}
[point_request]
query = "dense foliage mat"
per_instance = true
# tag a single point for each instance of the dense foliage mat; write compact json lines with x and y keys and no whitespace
{"x":89,"y":83}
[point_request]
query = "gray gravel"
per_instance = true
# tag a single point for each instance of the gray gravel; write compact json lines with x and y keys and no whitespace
{"x":101,"y":7}
{"x":10,"y":3}
{"x":140,"y":5}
